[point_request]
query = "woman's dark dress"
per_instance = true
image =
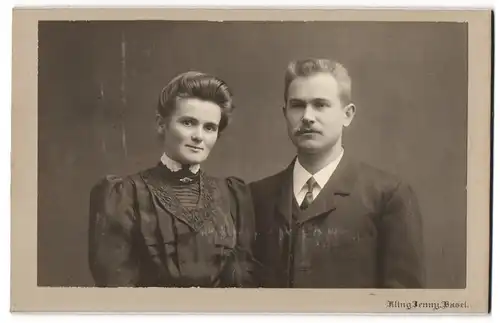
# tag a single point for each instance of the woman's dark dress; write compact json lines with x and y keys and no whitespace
{"x":141,"y":235}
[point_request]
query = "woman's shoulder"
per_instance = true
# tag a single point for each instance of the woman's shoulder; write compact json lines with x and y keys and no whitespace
{"x":241,"y":201}
{"x":236,"y":182}
{"x":111,"y":191}
{"x":121,"y":182}
{"x":113,"y":199}
{"x":232,"y":182}
{"x":112,"y":182}
{"x":117,"y":187}
{"x":235,"y":187}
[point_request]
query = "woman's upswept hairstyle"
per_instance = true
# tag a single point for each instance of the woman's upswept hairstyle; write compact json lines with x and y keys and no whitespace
{"x":193,"y":84}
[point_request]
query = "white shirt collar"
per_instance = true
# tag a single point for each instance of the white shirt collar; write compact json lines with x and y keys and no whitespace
{"x":301,"y":175}
{"x":175,"y":166}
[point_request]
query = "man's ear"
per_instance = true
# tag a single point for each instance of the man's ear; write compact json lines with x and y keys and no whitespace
{"x":349,"y":112}
{"x":283,"y":109}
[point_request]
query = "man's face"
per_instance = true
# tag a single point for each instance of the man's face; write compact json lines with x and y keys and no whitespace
{"x":315,"y":114}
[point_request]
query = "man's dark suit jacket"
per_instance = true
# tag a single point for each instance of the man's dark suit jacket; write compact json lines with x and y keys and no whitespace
{"x":363,"y":230}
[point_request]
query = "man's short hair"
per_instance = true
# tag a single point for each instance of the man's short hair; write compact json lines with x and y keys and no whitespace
{"x":311,"y":66}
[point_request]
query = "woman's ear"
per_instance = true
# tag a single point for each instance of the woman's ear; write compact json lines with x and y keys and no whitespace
{"x":160,"y":124}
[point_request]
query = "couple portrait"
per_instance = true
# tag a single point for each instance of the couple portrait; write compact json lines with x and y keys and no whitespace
{"x":252,"y":154}
{"x":326,"y":221}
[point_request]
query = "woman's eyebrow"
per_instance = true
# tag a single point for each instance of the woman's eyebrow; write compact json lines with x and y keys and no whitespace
{"x":188,"y":117}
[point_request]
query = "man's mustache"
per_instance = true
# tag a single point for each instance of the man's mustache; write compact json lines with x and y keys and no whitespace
{"x":303,"y":130}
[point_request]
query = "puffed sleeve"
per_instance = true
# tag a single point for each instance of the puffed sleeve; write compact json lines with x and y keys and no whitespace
{"x":245,"y":224}
{"x":402,"y":243}
{"x":112,"y":259}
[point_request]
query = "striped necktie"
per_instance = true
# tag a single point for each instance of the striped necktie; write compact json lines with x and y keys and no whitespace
{"x":308,"y":199}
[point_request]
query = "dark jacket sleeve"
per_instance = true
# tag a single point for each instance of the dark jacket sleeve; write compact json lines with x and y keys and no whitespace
{"x":242,"y":206}
{"x":262,"y":271}
{"x":401,"y":248}
{"x":112,"y":259}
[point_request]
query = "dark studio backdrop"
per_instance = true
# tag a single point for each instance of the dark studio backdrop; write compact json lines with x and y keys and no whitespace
{"x":99,"y":84}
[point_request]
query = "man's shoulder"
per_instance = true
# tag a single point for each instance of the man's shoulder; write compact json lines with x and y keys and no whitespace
{"x":372,"y":176}
{"x":270,"y":179}
{"x":374,"y":172}
{"x":268,"y":183}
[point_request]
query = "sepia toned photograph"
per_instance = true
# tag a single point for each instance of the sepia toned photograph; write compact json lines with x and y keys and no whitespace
{"x":233,"y":157}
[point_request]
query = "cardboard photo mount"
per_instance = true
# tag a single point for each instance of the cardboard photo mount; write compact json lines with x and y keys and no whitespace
{"x":27,"y":297}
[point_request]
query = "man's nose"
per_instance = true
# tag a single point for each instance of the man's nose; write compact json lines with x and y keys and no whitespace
{"x":308,"y":116}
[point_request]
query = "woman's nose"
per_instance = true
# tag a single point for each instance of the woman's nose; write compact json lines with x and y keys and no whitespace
{"x":197,"y":134}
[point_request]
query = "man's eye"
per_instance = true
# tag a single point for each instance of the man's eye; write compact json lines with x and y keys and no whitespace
{"x":187,"y":122}
{"x":211,"y":128}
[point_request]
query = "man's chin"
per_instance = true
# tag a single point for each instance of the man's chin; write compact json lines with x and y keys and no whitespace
{"x":308,"y":148}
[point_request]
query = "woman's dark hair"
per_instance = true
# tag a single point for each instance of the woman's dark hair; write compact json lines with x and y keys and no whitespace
{"x":198,"y":85}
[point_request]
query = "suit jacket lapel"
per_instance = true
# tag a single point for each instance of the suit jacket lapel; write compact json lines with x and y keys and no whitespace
{"x":284,"y":197}
{"x":338,"y":186}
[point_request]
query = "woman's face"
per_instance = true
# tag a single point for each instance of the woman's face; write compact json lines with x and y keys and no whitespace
{"x":191,"y":130}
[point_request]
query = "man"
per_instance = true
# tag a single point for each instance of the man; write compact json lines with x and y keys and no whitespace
{"x":328,"y":221}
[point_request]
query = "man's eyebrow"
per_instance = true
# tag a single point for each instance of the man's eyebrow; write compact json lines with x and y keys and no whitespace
{"x":320,"y":100}
{"x":311,"y":100}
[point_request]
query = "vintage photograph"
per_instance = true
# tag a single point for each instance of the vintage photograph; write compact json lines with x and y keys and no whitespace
{"x":344,"y":164}
{"x":257,"y":155}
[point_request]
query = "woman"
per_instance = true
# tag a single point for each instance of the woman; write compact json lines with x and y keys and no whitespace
{"x":173,"y":225}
